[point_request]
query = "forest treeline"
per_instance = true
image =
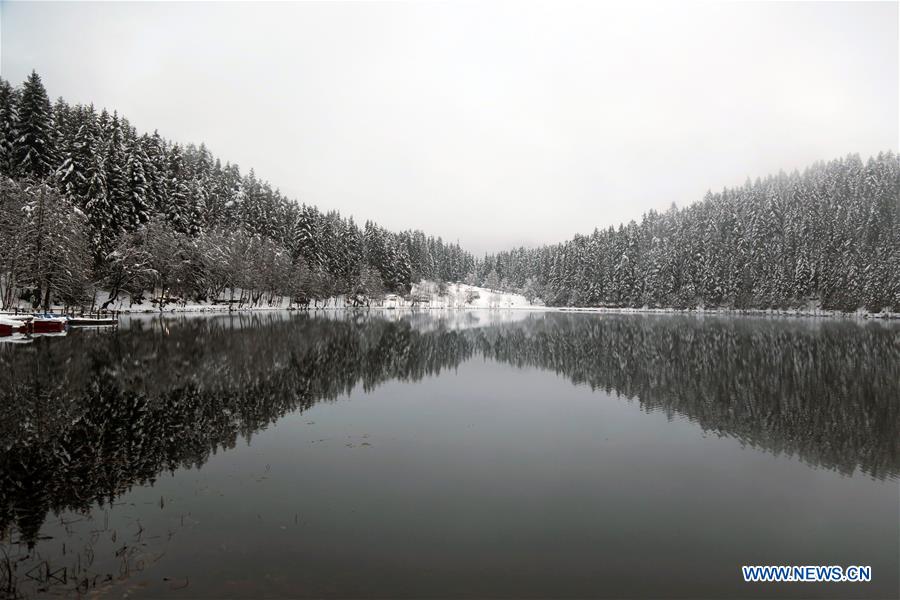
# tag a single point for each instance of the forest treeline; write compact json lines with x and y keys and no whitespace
{"x":828,"y":236}
{"x":88,"y":203}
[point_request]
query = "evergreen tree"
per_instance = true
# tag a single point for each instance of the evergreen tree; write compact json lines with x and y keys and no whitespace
{"x":33,"y":151}
{"x":156,"y":170}
{"x":121,"y":215}
{"x":175,"y":205}
{"x":140,"y":202}
{"x":9,"y":117}
{"x":74,"y":171}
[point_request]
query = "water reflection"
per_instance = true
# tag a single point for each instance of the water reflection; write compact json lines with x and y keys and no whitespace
{"x":86,"y":417}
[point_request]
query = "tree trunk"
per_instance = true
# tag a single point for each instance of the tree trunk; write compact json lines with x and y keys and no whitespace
{"x":113,"y":294}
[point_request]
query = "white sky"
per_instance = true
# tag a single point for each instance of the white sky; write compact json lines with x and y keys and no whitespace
{"x":496,"y":124}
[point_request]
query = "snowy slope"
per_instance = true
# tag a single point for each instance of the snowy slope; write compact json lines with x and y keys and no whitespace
{"x":461,"y":295}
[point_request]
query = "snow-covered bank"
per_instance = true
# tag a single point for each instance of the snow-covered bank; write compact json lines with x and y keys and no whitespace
{"x":424,"y":295}
{"x":464,"y":296}
{"x":429,"y":296}
{"x":502,"y":301}
{"x":798,"y":312}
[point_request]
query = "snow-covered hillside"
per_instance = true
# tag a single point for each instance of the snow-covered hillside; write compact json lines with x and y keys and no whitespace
{"x":461,"y":295}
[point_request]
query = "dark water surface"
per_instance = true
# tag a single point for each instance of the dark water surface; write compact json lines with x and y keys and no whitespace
{"x":469,"y":455}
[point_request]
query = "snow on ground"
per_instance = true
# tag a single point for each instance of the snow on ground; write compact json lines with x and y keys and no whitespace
{"x":460,"y":296}
{"x":424,"y":295}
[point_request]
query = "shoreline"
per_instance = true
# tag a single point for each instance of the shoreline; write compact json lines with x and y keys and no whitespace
{"x":750,"y":312}
{"x":456,"y":297}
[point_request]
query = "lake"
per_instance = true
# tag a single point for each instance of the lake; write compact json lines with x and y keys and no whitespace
{"x":465,"y":454}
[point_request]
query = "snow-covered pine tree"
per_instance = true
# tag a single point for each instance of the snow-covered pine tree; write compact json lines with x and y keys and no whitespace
{"x":33,"y":151}
{"x":352,"y":242}
{"x":176,"y":208}
{"x":196,"y":205}
{"x":217,"y":196}
{"x":61,"y":123}
{"x":306,"y":238}
{"x":251,"y":208}
{"x":100,"y":211}
{"x":234,"y":195}
{"x":156,"y":170}
{"x":74,"y":170}
{"x":9,"y":107}
{"x":118,"y":189}
{"x":140,"y":202}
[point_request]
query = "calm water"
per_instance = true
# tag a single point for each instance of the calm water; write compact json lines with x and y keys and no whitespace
{"x":500,"y":455}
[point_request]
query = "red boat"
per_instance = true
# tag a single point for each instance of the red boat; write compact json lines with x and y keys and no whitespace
{"x":48,"y":324}
{"x":10,"y":326}
{"x":39,"y":323}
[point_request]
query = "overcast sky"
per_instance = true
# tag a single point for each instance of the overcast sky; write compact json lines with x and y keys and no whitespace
{"x":496,"y":124}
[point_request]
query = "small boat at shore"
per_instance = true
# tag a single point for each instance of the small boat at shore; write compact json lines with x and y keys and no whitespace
{"x":48,"y":323}
{"x":10,"y":326}
{"x":37,"y":323}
